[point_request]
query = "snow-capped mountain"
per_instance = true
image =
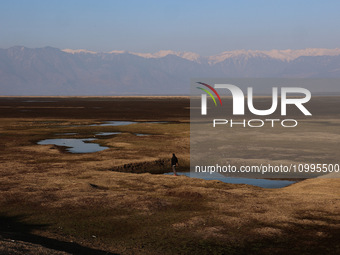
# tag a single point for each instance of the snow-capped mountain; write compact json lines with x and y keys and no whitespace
{"x":160,"y":54}
{"x":284,"y":55}
{"x":51,"y":71}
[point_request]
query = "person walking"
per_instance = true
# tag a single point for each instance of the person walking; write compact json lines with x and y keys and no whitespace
{"x":174,"y":163}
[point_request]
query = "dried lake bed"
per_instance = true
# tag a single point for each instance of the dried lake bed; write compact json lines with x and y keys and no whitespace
{"x":61,"y":200}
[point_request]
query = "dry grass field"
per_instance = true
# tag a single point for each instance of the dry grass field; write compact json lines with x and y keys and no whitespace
{"x":56,"y":202}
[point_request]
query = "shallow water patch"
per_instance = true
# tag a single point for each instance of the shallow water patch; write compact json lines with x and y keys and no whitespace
{"x":108,"y":133}
{"x":114,"y":123}
{"x":76,"y":145}
{"x":263,"y":183}
{"x":124,"y":123}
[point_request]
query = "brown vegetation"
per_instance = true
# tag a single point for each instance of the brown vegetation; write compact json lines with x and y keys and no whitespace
{"x":54,"y":201}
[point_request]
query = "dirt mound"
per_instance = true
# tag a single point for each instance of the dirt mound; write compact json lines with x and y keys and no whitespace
{"x":159,"y":166}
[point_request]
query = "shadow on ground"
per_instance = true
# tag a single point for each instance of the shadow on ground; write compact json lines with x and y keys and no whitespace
{"x":13,"y":228}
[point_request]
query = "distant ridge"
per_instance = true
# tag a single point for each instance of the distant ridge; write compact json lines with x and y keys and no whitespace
{"x":51,"y":71}
{"x":285,"y":55}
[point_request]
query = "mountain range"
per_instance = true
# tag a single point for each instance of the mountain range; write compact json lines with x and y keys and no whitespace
{"x":52,"y":71}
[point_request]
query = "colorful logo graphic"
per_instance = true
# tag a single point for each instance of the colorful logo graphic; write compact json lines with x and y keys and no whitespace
{"x":209,"y":93}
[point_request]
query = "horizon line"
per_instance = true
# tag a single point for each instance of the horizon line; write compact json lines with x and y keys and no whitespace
{"x":166,"y":50}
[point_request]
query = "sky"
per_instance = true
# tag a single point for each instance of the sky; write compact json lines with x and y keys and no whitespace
{"x":204,"y":27}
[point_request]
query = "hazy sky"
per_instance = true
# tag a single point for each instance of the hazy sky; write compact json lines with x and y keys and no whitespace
{"x":205,"y":27}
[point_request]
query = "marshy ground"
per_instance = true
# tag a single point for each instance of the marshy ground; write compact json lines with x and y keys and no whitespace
{"x":56,"y":202}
